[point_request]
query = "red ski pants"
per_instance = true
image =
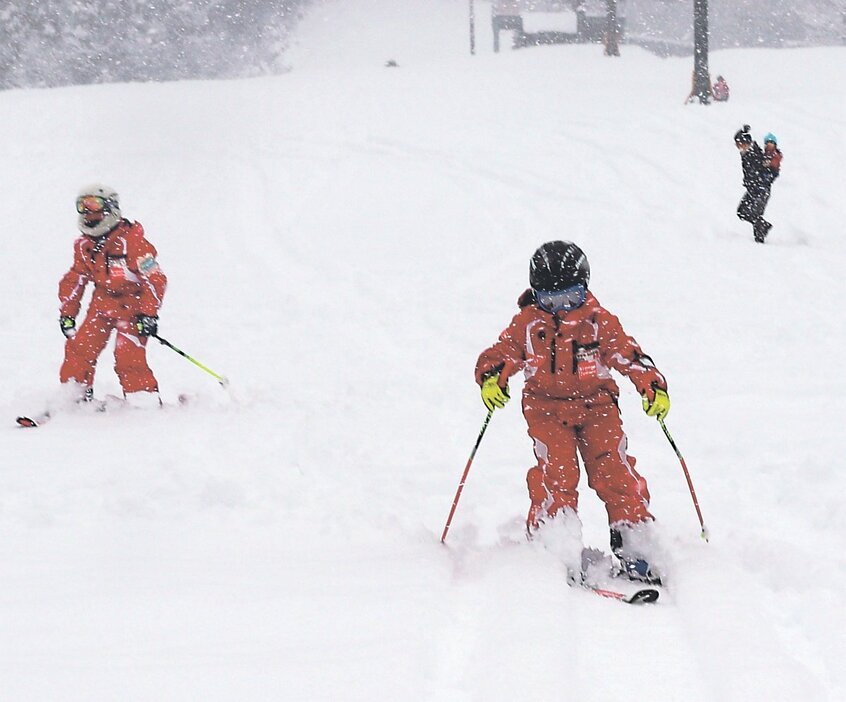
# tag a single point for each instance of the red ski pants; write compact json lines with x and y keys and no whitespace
{"x":594,"y":428}
{"x":82,"y":351}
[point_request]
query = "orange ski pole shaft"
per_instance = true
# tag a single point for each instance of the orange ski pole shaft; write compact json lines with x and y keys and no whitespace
{"x":704,"y":533}
{"x":464,"y":476}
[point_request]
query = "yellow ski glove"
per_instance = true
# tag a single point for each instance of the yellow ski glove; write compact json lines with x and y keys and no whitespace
{"x":659,"y":407}
{"x":492,"y":394}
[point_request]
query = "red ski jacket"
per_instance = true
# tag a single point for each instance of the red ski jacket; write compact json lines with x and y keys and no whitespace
{"x":720,"y":91}
{"x":569,"y":355}
{"x":122,"y":265}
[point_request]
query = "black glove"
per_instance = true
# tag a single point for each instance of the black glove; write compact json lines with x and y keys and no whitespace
{"x":68,"y":326}
{"x":742,"y":136}
{"x":146,"y":325}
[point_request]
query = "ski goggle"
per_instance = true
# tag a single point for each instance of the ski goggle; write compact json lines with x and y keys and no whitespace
{"x":561,"y":300}
{"x":91,"y":203}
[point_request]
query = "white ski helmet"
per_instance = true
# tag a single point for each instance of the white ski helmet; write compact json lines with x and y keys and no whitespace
{"x":99,"y":210}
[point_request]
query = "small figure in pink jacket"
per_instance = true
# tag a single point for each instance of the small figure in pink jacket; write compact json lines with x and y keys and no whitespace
{"x":720,"y":90}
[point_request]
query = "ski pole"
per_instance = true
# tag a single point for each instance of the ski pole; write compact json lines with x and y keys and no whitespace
{"x":464,"y":476}
{"x":704,"y":533}
{"x":224,"y":382}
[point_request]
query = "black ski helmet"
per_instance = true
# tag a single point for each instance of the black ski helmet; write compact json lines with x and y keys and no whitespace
{"x":558,"y":265}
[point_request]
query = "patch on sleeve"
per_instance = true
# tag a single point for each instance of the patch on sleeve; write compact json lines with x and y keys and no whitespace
{"x":147,"y":264}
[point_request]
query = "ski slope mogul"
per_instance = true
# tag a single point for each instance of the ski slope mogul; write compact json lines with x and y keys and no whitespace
{"x":566,"y":343}
{"x":129,"y":286}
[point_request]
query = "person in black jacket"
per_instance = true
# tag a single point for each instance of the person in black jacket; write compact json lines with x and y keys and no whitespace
{"x":757,"y":180}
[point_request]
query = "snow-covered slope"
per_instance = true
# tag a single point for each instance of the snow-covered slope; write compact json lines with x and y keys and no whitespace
{"x":341,"y":242}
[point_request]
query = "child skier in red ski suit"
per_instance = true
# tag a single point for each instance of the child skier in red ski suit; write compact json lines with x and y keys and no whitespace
{"x":566,"y":343}
{"x":129,"y":286}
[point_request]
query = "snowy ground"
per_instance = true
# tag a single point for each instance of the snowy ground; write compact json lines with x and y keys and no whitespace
{"x":341,"y":242}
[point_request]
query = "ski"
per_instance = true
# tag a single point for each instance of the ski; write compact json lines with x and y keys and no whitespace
{"x":30,"y":422}
{"x":597,"y":567}
{"x":644,"y":596}
{"x":109,"y":403}
{"x":641,"y":596}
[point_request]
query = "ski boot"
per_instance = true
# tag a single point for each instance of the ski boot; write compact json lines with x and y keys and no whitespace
{"x":638,"y":570}
{"x":633,"y":567}
{"x":761,"y":229}
{"x":143,"y":399}
{"x":88,"y":403}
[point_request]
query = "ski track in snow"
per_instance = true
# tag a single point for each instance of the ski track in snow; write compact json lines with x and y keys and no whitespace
{"x":341,"y":242}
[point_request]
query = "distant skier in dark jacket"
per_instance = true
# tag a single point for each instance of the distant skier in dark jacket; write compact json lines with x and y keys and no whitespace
{"x":758,"y":177}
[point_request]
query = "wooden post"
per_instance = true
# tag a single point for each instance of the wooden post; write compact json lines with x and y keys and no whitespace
{"x":612,"y":43}
{"x":472,"y":29}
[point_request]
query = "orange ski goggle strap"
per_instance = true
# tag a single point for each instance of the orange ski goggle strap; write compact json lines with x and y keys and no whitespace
{"x":90,"y":203}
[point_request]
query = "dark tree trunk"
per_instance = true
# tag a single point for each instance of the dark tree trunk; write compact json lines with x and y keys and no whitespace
{"x":701,"y":76}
